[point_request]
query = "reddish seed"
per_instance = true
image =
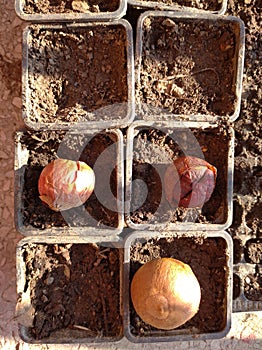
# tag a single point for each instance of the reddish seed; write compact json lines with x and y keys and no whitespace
{"x":189,"y":182}
{"x":65,"y":184}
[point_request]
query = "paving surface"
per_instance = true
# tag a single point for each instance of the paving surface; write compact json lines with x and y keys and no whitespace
{"x":246,"y":332}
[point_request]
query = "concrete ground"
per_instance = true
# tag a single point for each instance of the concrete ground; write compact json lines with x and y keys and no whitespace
{"x":246,"y":332}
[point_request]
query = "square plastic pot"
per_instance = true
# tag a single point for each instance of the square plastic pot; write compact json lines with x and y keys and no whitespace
{"x":100,"y":214}
{"x":151,"y":149}
{"x":54,"y":272}
{"x":78,"y":76}
{"x":219,"y":7}
{"x":80,"y":12}
{"x":189,"y":66}
{"x":205,"y":253}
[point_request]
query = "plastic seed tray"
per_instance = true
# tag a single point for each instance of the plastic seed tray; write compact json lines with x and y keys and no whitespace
{"x":115,"y":221}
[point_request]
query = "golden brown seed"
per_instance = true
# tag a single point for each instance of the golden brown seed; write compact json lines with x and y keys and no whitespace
{"x":165,"y":293}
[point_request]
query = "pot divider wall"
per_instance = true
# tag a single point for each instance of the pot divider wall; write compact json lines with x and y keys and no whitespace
{"x":78,"y":12}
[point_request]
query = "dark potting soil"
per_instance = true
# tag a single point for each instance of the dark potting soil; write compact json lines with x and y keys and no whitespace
{"x":67,"y":6}
{"x":210,"y":5}
{"x":188,"y":67}
{"x":77,"y":74}
{"x":98,"y":151}
{"x":74,"y":288}
{"x":154,"y":150}
{"x":208,"y":260}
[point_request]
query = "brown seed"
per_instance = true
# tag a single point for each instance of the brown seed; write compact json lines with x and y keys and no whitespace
{"x":165,"y":293}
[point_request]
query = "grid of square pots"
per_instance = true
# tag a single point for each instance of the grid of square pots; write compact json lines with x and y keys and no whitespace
{"x":116,"y":122}
{"x":34,"y":255}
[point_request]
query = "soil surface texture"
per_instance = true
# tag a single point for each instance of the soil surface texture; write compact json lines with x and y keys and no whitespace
{"x":208,"y":260}
{"x":77,"y":74}
{"x":43,"y":147}
{"x":154,"y":150}
{"x":67,"y":6}
{"x":74,"y":288}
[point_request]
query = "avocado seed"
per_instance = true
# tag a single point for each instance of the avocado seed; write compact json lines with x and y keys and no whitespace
{"x":64,"y":184}
{"x":189,"y":182}
{"x":165,"y":293}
